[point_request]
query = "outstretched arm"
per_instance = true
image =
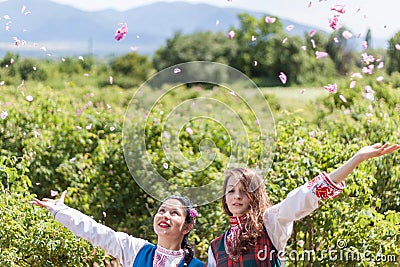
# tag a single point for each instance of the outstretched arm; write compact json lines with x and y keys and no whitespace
{"x":363,"y":154}
{"x":117,"y":244}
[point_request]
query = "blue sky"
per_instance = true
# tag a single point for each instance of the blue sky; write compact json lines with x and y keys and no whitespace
{"x":379,"y":15}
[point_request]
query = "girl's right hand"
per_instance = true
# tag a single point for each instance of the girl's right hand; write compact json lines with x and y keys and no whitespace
{"x":49,"y":203}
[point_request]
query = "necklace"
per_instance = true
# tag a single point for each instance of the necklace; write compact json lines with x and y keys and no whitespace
{"x":233,"y":257}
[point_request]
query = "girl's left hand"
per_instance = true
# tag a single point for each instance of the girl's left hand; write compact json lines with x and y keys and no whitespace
{"x":376,"y":150}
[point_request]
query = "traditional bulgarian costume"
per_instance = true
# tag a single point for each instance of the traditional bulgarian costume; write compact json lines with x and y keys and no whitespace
{"x":278,"y":223}
{"x":129,"y":250}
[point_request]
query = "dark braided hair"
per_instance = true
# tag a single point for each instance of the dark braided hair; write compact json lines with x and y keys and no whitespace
{"x":185,"y":245}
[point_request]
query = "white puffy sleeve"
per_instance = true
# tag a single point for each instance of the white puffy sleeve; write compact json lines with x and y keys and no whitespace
{"x":117,"y":244}
{"x":300,"y":202}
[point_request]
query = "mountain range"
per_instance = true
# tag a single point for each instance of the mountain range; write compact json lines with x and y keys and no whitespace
{"x":54,"y":29}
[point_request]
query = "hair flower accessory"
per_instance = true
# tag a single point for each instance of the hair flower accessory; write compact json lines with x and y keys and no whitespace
{"x":193,"y":213}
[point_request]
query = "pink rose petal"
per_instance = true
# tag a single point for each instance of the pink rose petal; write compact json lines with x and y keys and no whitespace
{"x":290,"y":27}
{"x":282,"y":76}
{"x":331,"y":88}
{"x":312,"y":33}
{"x":353,"y":84}
{"x":177,"y":70}
{"x":231,"y":34}
{"x":321,"y":54}
{"x":397,"y":46}
{"x":379,"y":78}
{"x":347,"y":34}
{"x":342,"y":98}
{"x":121,"y":32}
{"x":270,"y":20}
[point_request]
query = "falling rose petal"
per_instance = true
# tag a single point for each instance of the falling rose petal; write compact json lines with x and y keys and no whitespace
{"x":53,"y":193}
{"x":312,"y":33}
{"x":331,"y":88}
{"x":112,"y":128}
{"x":253,"y":38}
{"x":347,"y":34}
{"x":284,"y":40}
{"x":88,"y":127}
{"x":334,"y":23}
{"x":23,"y":8}
{"x":29,"y":98}
{"x":21,"y":84}
{"x":231,"y":34}
{"x":108,"y":106}
{"x":110,"y":80}
{"x":63,"y":59}
{"x":104,"y":214}
{"x":121,"y":32}
{"x":165,"y":165}
{"x":217,"y":22}
{"x":282,"y":76}
{"x":359,"y":36}
{"x":255,"y":63}
{"x":313,"y":43}
{"x":86,"y":74}
{"x":28,"y":12}
{"x":269,"y":20}
{"x":80,"y":57}
{"x":135,"y":48}
{"x":336,"y":40}
{"x":353,"y":84}
{"x":342,"y":98}
{"x":290,"y":27}
{"x":43,"y":48}
{"x":6,"y":17}
{"x":321,"y":54}
{"x":2,"y":83}
{"x":34,"y":68}
{"x":78,"y":127}
{"x":4,"y":114}
{"x":365,"y":45}
{"x":380,"y":65}
{"x":379,"y":78}
{"x":397,"y":46}
{"x":36,"y":133}
{"x":304,"y":48}
{"x":339,"y":9}
{"x":177,"y":70}
{"x":357,"y":74}
{"x":189,"y":130}
{"x":311,"y":134}
{"x":302,"y":91}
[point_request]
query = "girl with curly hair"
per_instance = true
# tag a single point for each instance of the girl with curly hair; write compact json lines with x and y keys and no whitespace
{"x":258,"y":230}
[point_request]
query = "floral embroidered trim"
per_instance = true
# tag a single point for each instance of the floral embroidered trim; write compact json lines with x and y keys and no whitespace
{"x":323,"y":187}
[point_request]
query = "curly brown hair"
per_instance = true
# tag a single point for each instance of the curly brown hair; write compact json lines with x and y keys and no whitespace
{"x":253,"y":225}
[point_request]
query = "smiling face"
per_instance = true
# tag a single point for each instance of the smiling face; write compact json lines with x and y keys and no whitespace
{"x":236,"y":197}
{"x":169,"y":222}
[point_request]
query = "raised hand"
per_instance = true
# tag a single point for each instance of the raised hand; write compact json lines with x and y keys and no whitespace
{"x":48,"y":203}
{"x":376,"y":150}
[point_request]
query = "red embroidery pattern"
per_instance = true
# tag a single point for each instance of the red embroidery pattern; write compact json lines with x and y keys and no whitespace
{"x":324,"y":188}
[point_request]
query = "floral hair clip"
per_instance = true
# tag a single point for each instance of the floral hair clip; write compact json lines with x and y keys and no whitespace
{"x":193,"y":213}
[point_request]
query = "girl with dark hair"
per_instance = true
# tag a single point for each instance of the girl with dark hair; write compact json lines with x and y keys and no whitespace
{"x":259,"y":231}
{"x":172,"y":223}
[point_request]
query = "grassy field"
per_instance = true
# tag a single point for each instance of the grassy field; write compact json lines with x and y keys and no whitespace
{"x":296,"y":100}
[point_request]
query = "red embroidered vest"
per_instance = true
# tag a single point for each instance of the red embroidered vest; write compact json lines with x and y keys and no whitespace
{"x":262,"y":254}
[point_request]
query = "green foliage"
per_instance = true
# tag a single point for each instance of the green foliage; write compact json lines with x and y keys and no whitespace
{"x":29,"y":236}
{"x":201,"y":46}
{"x":130,"y":70}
